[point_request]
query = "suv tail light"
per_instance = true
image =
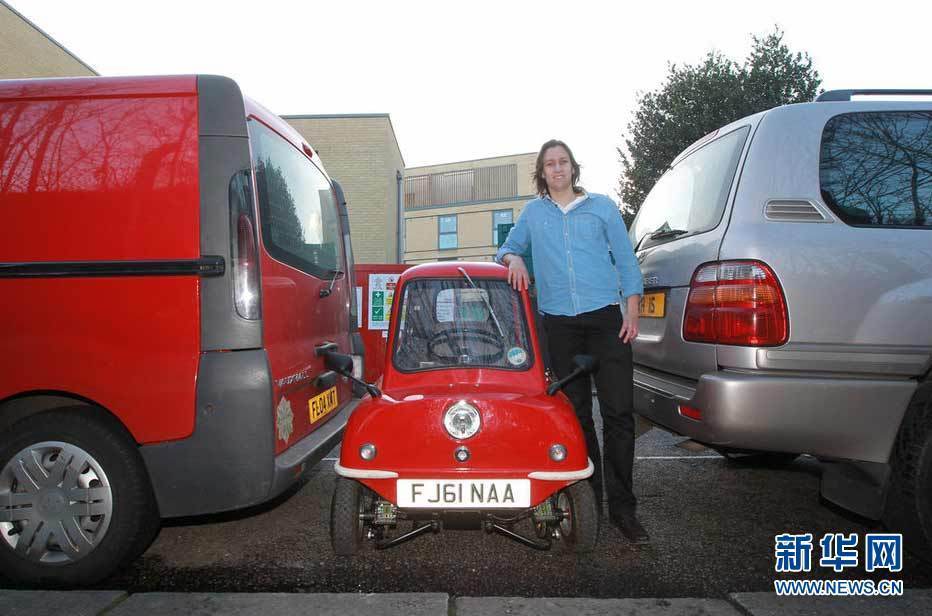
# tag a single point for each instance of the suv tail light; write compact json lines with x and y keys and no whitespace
{"x":736,"y":302}
{"x":245,"y":253}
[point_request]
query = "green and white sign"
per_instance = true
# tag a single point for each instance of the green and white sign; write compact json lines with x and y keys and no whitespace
{"x":381,"y":296}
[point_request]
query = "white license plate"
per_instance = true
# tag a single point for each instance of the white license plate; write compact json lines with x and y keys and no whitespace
{"x":463,"y":493}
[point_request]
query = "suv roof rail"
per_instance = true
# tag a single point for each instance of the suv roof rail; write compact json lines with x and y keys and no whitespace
{"x":845,"y":95}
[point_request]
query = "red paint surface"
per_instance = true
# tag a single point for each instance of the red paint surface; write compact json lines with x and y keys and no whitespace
{"x":519,"y":421}
{"x":374,"y":341}
{"x":102,"y":169}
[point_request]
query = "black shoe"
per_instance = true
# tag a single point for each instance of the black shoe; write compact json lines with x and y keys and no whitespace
{"x":631,"y":528}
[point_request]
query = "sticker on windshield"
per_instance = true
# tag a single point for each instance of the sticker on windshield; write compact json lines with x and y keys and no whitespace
{"x":517,"y":356}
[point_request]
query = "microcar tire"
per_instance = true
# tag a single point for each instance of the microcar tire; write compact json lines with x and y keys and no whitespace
{"x":75,"y":500}
{"x":346,"y":529}
{"x":580,"y":526}
{"x":908,"y":507}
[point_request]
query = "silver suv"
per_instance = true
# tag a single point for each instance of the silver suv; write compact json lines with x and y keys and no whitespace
{"x":787,"y":262}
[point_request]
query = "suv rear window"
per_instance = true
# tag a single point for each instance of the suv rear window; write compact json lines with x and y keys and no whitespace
{"x":690,"y":197}
{"x":300,"y":220}
{"x":875,"y":168}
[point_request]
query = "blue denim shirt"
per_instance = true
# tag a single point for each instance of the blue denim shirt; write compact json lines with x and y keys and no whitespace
{"x":572,"y":268}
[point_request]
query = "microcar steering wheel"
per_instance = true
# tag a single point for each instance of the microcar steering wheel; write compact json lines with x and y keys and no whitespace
{"x":456,"y":340}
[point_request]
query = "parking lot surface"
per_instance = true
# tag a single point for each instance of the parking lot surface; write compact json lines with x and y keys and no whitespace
{"x":712,"y":525}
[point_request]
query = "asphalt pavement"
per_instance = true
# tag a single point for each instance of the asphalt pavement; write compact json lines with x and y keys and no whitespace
{"x":712,"y":525}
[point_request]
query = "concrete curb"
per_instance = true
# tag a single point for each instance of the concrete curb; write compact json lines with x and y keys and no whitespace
{"x":118,"y":603}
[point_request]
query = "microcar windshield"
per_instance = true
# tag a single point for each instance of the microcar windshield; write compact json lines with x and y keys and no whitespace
{"x":461,"y":323}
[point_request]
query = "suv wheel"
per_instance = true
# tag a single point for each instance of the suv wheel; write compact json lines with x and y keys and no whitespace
{"x":75,"y":500}
{"x":909,"y":500}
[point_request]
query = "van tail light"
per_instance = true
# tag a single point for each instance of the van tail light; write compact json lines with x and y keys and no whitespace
{"x":736,"y":302}
{"x":245,"y":252}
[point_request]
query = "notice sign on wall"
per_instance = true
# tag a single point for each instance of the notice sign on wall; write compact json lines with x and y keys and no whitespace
{"x":381,"y":295}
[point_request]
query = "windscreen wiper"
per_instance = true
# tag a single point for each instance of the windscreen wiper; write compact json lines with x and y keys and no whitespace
{"x":486,"y":300}
{"x":667,"y":233}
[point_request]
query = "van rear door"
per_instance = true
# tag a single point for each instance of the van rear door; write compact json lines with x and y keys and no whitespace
{"x":305,"y":286}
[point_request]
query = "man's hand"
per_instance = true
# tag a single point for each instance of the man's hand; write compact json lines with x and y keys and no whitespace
{"x":517,"y":272}
{"x":629,"y":327}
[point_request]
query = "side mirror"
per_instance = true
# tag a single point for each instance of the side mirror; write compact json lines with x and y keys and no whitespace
{"x":343,"y":364}
{"x":585,"y":364}
{"x":339,"y":363}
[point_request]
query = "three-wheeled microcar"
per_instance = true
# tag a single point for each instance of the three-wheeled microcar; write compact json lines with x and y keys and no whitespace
{"x":467,"y":431}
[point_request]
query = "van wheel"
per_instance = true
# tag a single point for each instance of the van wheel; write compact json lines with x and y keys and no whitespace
{"x":909,"y":499}
{"x":75,"y":500}
{"x":579,"y":527}
{"x":350,"y":501}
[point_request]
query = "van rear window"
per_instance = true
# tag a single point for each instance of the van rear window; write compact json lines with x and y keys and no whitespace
{"x":875,"y":168}
{"x":298,"y":212}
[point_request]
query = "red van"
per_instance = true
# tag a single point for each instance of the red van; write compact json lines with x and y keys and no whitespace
{"x":175,"y":261}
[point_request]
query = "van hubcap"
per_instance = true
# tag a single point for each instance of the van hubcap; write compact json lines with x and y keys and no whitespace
{"x":55,"y":503}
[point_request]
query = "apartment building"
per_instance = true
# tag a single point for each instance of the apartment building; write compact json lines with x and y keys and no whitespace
{"x":460,"y":211}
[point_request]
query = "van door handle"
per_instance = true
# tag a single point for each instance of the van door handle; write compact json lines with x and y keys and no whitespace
{"x":324,"y":348}
{"x":325,"y":380}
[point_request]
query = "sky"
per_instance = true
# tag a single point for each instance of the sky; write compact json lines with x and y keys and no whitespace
{"x":465,"y":80}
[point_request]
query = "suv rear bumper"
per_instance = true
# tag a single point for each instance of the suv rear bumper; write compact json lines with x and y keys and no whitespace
{"x":827,"y":417}
{"x":229,"y":461}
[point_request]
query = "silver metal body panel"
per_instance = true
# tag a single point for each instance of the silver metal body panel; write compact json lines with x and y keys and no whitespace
{"x":669,"y":267}
{"x":859,"y":302}
{"x":826,"y":417}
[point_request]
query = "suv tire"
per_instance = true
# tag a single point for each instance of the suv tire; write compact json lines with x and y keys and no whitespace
{"x":909,"y":500}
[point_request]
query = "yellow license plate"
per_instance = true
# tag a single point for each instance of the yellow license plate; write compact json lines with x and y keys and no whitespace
{"x":321,"y":404}
{"x":652,"y":305}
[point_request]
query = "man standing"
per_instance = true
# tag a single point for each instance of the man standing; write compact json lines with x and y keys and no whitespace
{"x":579,"y":290}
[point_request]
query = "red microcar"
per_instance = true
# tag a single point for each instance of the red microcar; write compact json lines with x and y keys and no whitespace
{"x":467,"y":431}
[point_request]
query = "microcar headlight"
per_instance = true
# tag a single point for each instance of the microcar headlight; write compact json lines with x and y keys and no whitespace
{"x":367,"y":451}
{"x":462,"y":420}
{"x":557,"y":452}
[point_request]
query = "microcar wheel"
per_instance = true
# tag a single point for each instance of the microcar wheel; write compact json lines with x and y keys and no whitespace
{"x":75,"y":500}
{"x":909,"y":499}
{"x":580,"y":524}
{"x":347,"y":529}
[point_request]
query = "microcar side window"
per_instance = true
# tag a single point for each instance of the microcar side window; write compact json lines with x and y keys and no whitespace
{"x":448,"y":323}
{"x":691,"y":196}
{"x":875,"y":168}
{"x":299,"y":215}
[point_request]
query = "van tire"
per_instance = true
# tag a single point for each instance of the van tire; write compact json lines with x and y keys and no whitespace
{"x":346,"y":529}
{"x":580,"y":532}
{"x":908,"y":507}
{"x":133,"y":513}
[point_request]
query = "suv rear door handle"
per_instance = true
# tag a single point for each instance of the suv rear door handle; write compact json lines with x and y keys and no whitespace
{"x":324,"y":348}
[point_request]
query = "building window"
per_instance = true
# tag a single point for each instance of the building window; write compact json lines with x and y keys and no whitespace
{"x":501,"y":217}
{"x":447,"y":236}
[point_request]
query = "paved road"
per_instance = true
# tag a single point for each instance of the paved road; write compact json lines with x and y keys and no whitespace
{"x":712,"y":524}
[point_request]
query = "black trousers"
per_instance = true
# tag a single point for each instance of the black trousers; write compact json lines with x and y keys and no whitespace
{"x":596,"y":333}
